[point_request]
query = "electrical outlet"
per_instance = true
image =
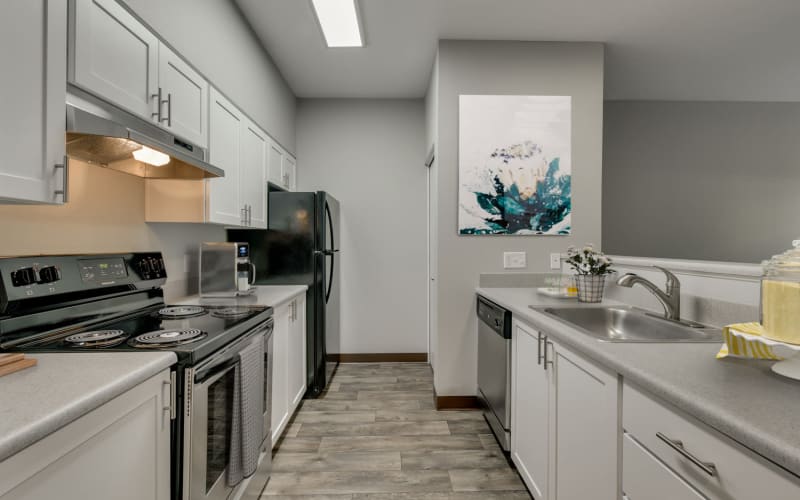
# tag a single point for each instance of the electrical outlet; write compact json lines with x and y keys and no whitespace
{"x":514,"y":260}
{"x":555,"y":261}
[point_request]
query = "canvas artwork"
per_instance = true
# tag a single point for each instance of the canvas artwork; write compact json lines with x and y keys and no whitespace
{"x":514,"y":165}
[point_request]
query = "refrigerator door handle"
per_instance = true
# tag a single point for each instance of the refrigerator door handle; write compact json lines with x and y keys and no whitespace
{"x":330,"y":276}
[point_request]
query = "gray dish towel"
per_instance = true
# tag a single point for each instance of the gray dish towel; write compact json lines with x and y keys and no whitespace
{"x":248,"y":414}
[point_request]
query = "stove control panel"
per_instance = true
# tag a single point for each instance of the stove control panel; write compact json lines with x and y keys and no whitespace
{"x":38,"y":280}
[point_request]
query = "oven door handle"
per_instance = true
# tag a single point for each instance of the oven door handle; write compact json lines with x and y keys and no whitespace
{"x":202,"y":376}
{"x":230,"y":356}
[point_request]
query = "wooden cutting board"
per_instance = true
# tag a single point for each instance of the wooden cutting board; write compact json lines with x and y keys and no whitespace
{"x":16,"y":366}
{"x":11,"y":358}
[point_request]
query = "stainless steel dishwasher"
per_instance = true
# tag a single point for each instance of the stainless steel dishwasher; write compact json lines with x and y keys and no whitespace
{"x":494,"y":368}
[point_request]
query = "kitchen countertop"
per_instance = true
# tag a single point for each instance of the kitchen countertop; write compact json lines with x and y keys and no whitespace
{"x":741,"y":398}
{"x":269,"y":295}
{"x":63,"y":387}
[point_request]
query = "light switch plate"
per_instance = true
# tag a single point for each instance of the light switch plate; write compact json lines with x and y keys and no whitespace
{"x":514,"y":260}
{"x":555,"y":261}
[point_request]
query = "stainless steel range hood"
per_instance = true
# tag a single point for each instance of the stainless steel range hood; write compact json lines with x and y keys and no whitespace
{"x":102,"y":134}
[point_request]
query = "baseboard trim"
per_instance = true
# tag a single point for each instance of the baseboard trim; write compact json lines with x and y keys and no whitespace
{"x":456,"y":402}
{"x":382,"y":357}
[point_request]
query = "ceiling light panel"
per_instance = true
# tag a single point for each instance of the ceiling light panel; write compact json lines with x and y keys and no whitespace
{"x":339,"y":22}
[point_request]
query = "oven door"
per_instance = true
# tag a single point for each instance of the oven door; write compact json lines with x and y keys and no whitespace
{"x":209,"y":420}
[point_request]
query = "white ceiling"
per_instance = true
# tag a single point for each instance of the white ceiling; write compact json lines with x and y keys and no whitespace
{"x":656,"y":49}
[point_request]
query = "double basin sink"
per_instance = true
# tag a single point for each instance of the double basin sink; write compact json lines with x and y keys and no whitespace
{"x":628,"y":324}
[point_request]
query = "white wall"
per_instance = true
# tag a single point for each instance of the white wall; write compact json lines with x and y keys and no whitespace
{"x":516,"y":68}
{"x":215,"y":38}
{"x":369,"y":154}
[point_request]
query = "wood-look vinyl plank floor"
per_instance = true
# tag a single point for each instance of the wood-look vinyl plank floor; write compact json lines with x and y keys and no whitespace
{"x":375,"y":435}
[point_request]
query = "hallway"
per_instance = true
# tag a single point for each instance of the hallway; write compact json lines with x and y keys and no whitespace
{"x":375,"y":435}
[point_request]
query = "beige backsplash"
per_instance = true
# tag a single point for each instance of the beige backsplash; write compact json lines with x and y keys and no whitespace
{"x":105,"y":214}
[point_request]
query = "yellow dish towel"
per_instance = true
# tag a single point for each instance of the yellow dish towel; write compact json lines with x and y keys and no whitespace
{"x":739,"y":347}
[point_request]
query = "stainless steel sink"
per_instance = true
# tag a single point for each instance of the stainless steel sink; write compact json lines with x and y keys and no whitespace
{"x":624,"y":324}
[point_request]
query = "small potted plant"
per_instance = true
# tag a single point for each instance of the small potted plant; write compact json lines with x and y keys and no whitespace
{"x":591,"y":268}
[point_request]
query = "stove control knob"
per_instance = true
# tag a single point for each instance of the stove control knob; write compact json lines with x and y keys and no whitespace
{"x":144,"y":268}
{"x":49,"y":274}
{"x":23,"y":277}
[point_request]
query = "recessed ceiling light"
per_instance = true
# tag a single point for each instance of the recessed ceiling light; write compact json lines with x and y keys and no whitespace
{"x":339,"y":22}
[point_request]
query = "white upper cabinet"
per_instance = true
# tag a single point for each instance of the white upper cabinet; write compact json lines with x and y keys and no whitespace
{"x":184,"y":97}
{"x":116,"y":57}
{"x":289,"y":173}
{"x":225,"y":125}
{"x":282,"y":167}
{"x":32,"y":98}
{"x":253,"y":184}
{"x":276,"y":155}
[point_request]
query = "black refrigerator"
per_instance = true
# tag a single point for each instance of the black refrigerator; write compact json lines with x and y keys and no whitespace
{"x":301,"y":247}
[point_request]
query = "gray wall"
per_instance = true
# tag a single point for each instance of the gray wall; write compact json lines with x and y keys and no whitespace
{"x":713,"y":180}
{"x":214,"y":37}
{"x":518,"y":68}
{"x":370,"y":154}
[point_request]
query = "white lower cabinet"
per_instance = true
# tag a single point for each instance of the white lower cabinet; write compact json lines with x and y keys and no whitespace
{"x":120,"y":450}
{"x":280,"y":372}
{"x":297,"y":350}
{"x":704,"y":460}
{"x":564,"y":429}
{"x":289,"y":362}
{"x":530,"y":436}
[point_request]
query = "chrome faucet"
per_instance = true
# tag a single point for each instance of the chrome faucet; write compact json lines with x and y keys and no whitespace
{"x":670,"y":298}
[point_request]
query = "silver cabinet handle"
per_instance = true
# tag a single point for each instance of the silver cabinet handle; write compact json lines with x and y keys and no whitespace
{"x":539,"y":354}
{"x":172,"y":397}
{"x":243,"y":215}
{"x":249,"y":215}
{"x":64,"y":192}
{"x":547,"y":344}
{"x":168,"y":102}
{"x":157,"y":97}
{"x":677,"y":445}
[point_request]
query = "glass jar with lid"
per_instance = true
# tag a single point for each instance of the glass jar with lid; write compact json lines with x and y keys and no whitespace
{"x":780,"y":296}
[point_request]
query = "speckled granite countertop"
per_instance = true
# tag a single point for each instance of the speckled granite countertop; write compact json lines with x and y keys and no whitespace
{"x":743,"y":399}
{"x":63,"y":387}
{"x":272,"y":295}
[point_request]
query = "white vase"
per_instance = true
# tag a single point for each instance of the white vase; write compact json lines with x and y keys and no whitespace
{"x":590,"y":287}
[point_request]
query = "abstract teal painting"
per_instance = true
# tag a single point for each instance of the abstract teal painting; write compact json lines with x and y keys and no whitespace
{"x":515,"y":165}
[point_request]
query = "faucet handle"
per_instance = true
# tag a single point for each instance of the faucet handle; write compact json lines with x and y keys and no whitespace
{"x":673,"y":283}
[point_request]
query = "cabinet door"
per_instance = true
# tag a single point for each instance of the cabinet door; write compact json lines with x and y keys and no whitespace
{"x":289,"y":172}
{"x":297,"y":352}
{"x":33,"y":36}
{"x":115,"y":56}
{"x":254,"y":170}
{"x":276,"y":155}
{"x":587,"y":430}
{"x":185,"y":111}
{"x":225,"y":125}
{"x":280,"y":372}
{"x":530,"y":414}
{"x":120,"y":450}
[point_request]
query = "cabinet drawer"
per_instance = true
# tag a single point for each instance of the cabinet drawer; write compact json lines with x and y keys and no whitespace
{"x":644,"y":477}
{"x":738,"y":472}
